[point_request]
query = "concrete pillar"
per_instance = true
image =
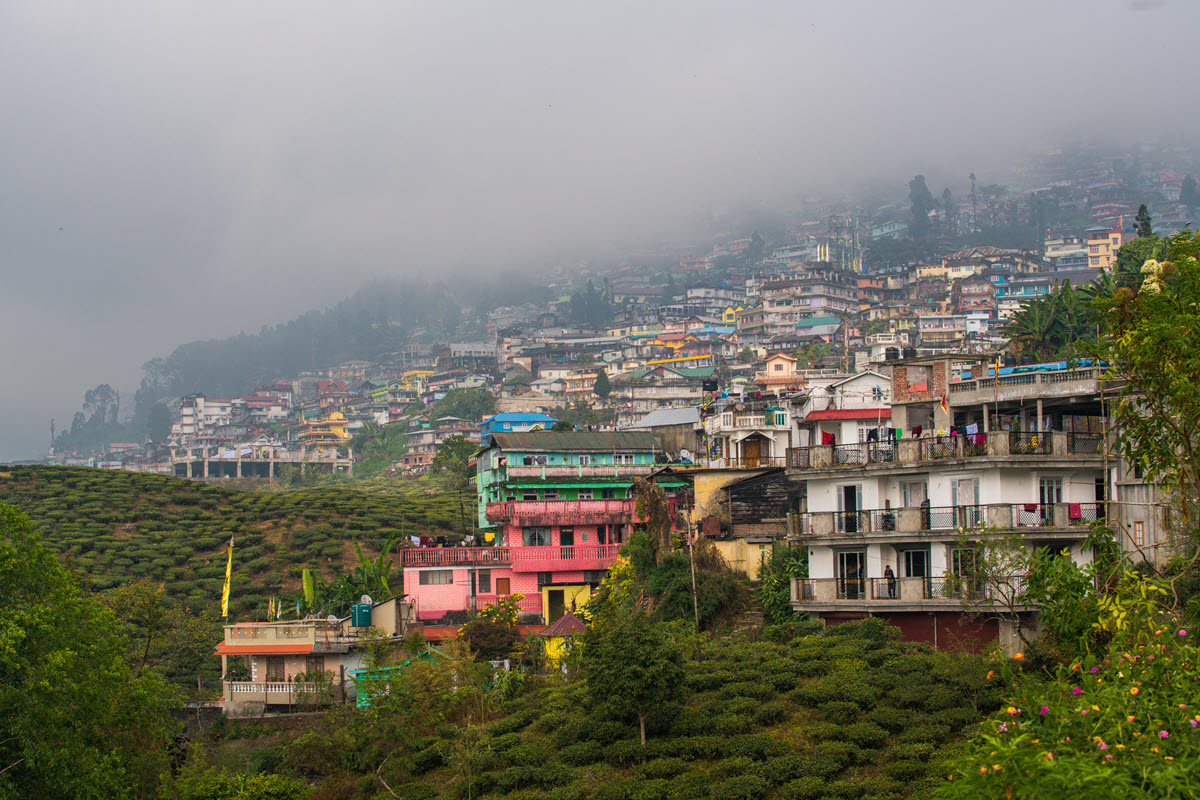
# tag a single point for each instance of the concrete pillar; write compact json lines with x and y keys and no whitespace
{"x":239,"y":462}
{"x":206,"y":466}
{"x":985,"y":418}
{"x":1037,"y":426}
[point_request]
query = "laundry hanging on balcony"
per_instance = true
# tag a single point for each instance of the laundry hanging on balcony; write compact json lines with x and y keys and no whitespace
{"x":828,"y":438}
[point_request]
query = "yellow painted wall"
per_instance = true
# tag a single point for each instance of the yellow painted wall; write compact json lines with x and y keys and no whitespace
{"x":742,"y":556}
{"x":579,"y":594}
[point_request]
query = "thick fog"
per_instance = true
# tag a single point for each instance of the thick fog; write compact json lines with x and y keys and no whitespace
{"x":183,"y":170}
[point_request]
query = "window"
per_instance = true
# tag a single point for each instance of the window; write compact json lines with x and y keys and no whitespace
{"x":314,"y":665}
{"x":529,"y":495}
{"x":551,"y":494}
{"x":585,"y":460}
{"x":623,"y":458}
{"x":481,"y":581}
{"x":535,"y":536}
{"x":275,"y":669}
{"x":545,"y":579}
{"x":585,"y":494}
{"x":779,"y":367}
{"x":608,"y":494}
{"x":964,"y":492}
{"x":1051,"y":491}
{"x":594,"y":576}
{"x":962,"y":561}
{"x":435,"y":577}
{"x":1139,"y":534}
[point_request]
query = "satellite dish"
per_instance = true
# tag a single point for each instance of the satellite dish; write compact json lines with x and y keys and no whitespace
{"x":331,"y":618}
{"x":366,"y":598}
{"x":685,"y":454}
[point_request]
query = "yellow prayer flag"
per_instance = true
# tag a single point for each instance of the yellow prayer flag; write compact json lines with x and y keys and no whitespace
{"x":228,"y":578}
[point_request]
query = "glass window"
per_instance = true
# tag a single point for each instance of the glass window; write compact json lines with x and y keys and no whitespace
{"x":1139,"y":534}
{"x":551,"y":494}
{"x":535,"y":536}
{"x":435,"y":577}
{"x":585,"y":494}
{"x":484,"y":581}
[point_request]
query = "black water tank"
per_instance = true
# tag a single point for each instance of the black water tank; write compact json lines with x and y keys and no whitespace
{"x":891,"y":354}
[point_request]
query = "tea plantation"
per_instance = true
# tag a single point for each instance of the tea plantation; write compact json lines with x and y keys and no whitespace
{"x":111,"y":527}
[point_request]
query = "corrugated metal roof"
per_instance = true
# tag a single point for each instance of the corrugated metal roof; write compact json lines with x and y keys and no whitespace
{"x":667,"y":416}
{"x":566,"y":625}
{"x":563,"y":441}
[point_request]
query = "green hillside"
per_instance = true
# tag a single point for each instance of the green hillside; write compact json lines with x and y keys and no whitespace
{"x":112,"y":527}
{"x":847,"y":712}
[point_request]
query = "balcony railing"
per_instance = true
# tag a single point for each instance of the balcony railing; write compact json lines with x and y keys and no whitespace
{"x":941,"y":519}
{"x":529,"y":604}
{"x":996,"y":444}
{"x":945,"y":590}
{"x":501,"y":556}
{"x":578,"y":510}
{"x":578,"y":470}
{"x":753,"y":462}
{"x":1022,"y":443}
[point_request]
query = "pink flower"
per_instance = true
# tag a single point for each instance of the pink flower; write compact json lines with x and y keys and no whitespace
{"x":1045,"y":709}
{"x":1163,"y":734}
{"x":1103,"y":746}
{"x":1183,"y":633}
{"x":1094,"y":670}
{"x":1076,"y":690}
{"x":1108,"y":758}
{"x":1193,"y":722}
{"x":1003,"y":728}
{"x":1183,"y":705}
{"x":1129,"y":719}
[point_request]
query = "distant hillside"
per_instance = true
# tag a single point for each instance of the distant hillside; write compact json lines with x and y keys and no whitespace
{"x":112,"y":527}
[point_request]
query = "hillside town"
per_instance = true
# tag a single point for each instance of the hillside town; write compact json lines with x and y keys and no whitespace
{"x":796,"y":393}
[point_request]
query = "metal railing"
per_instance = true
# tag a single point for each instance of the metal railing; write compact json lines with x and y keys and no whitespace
{"x":939,"y":518}
{"x":1032,"y":515}
{"x":797,"y":458}
{"x":1085,"y":444}
{"x":938,"y":447}
{"x":885,"y":588}
{"x":852,"y":521}
{"x":1023,"y":443}
{"x":806,"y":589}
{"x":955,"y":588}
{"x":881,"y":452}
{"x":851,"y":589}
{"x":553,"y":508}
{"x":848,"y":454}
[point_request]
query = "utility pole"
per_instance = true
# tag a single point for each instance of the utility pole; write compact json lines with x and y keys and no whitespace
{"x":692,"y":561}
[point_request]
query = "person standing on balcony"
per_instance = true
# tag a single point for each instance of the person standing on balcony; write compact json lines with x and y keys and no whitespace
{"x":890,"y":577}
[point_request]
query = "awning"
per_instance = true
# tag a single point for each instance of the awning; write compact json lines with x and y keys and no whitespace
{"x":226,"y":649}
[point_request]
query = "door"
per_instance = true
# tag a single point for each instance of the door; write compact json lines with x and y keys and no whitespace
{"x":556,"y":605}
{"x":502,"y":587}
{"x":852,"y":577}
{"x":566,"y":538}
{"x":751,"y":451}
{"x":916,"y":564}
{"x":965,"y":499}
{"x":849,"y":504}
{"x":1050,"y":493}
{"x":914,"y":494}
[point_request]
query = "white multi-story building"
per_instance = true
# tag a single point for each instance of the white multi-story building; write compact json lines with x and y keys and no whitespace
{"x":1027,"y":454}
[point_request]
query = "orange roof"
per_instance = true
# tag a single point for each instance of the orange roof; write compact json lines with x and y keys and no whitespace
{"x":224,"y":648}
{"x":566,"y":625}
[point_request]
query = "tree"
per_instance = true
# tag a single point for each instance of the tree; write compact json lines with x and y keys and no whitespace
{"x":602,"y":388}
{"x":1142,"y":222}
{"x":950,"y":210}
{"x":453,"y":460}
{"x":775,"y":581}
{"x":591,"y":306}
{"x":747,"y":356}
{"x":74,"y":720}
{"x":101,"y":403}
{"x":922,"y":203}
{"x":159,"y":424}
{"x":1152,"y":346}
{"x":631,"y":667}
{"x":1188,"y":195}
{"x":161,"y":634}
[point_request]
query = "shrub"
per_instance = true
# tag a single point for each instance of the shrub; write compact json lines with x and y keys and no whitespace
{"x":839,"y":712}
{"x":904,"y":770}
{"x":689,"y":786}
{"x":809,"y":788}
{"x":757,"y":746}
{"x":624,"y":753}
{"x":582,"y":754}
{"x":529,"y":754}
{"x":733,"y":767}
{"x":931,"y":734}
{"x":866,"y":735}
{"x":839,"y":754}
{"x":783,"y":769}
{"x":429,"y":758}
{"x":891,"y":719}
{"x":771,"y":713}
{"x":746,"y":787}
{"x":758,"y":691}
{"x":662,"y":768}
{"x":691,"y":747}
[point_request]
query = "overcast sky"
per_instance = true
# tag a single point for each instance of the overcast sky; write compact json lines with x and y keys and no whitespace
{"x":174,"y":171}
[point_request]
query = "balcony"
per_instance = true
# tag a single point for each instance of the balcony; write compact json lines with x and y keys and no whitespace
{"x":946,"y":591}
{"x":1028,"y":385}
{"x":567,"y":512}
{"x":553,"y":558}
{"x":1062,"y":519}
{"x":295,"y":635}
{"x":579,"y":471}
{"x":997,"y":444}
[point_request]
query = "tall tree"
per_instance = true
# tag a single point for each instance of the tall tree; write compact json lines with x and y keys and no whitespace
{"x":950,"y":210}
{"x":453,"y":460}
{"x":632,"y":667}
{"x":1188,"y":195}
{"x":602,"y":388}
{"x":74,"y":720}
{"x":159,"y":423}
{"x":921,"y":201}
{"x":1142,"y":222}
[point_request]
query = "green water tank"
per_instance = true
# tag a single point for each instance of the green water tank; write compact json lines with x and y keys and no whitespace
{"x":360,"y":615}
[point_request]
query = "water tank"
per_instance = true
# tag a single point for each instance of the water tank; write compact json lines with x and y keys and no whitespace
{"x":891,"y":354}
{"x":360,"y":615}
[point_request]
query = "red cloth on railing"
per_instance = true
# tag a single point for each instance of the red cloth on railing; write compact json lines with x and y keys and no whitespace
{"x":1075,"y":510}
{"x":828,"y":438}
{"x":1031,"y":506}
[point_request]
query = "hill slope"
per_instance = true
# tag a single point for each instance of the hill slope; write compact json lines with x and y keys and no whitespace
{"x":113,"y":527}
